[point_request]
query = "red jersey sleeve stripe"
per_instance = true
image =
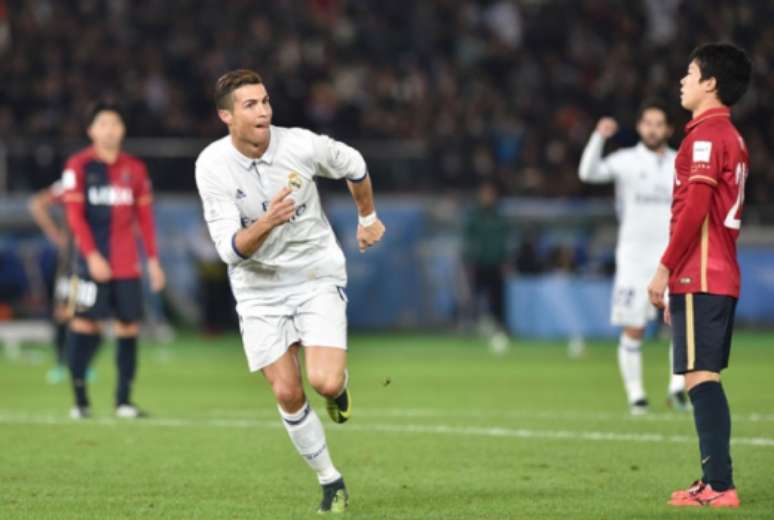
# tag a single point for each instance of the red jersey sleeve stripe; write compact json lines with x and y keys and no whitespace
{"x":704,"y":179}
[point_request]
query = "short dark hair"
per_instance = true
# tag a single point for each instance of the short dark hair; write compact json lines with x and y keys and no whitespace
{"x":104,"y":105}
{"x":654,"y":104}
{"x":730,"y":67}
{"x":229,"y":82}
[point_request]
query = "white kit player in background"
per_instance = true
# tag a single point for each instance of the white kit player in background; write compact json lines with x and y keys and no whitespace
{"x":643,"y":176}
{"x":286,"y":269}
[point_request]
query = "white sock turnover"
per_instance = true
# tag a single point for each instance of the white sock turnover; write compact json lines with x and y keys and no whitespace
{"x":307,"y":435}
{"x":630,"y":365}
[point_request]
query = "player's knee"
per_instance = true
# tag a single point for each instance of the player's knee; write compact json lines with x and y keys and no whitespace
{"x":635,"y":333}
{"x":694,"y":379}
{"x":289,"y":396}
{"x":327,"y":385}
{"x":84,"y":326}
{"x":126,"y":329}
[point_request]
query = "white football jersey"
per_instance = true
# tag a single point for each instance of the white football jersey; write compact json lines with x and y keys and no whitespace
{"x":235,"y":192}
{"x":643,"y":188}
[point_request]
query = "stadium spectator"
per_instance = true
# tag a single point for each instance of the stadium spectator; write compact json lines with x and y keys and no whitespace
{"x":486,"y":253}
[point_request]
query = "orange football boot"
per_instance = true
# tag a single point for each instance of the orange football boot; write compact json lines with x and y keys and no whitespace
{"x":701,"y":494}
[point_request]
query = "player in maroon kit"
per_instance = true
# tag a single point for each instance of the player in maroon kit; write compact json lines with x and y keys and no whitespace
{"x":107,"y":196}
{"x":700,"y":264}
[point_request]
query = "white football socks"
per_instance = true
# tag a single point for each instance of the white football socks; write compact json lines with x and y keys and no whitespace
{"x":307,"y":435}
{"x":676,"y":381}
{"x":630,"y":364}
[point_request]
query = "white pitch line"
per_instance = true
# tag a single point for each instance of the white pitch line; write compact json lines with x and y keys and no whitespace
{"x":519,"y":433}
{"x":515,"y":414}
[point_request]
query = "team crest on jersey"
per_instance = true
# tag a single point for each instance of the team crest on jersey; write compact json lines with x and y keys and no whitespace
{"x":294,"y":181}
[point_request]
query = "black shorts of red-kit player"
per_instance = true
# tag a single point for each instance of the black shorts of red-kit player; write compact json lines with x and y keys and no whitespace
{"x":119,"y":299}
{"x":702,"y":325}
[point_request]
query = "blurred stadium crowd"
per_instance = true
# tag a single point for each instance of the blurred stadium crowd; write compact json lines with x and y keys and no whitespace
{"x":500,"y":90}
{"x":491,"y":92}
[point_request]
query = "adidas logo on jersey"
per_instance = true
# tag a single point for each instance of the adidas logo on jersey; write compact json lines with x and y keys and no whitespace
{"x":240,"y":194}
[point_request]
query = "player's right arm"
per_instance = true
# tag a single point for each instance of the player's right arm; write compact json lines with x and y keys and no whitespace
{"x":233,"y":242}
{"x":281,"y":209}
{"x":73,"y":182}
{"x":593,"y":168}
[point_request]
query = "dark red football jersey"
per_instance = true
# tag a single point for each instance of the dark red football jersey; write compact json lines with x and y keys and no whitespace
{"x":713,"y":153}
{"x":106,"y":204}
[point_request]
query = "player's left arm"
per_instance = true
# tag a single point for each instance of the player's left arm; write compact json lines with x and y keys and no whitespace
{"x":337,"y":160}
{"x":706,"y":168}
{"x":369,"y":228}
{"x":143,"y":203}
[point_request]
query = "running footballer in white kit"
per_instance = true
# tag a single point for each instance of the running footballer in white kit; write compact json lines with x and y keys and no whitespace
{"x":643,"y":176}
{"x":286,"y":269}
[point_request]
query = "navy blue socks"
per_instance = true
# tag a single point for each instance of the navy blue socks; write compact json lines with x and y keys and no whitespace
{"x":126,"y":362}
{"x":80,"y":351}
{"x":713,"y":425}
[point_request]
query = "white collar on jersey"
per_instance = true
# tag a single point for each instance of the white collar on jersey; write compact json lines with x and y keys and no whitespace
{"x":267,"y":157}
{"x":644,"y":149}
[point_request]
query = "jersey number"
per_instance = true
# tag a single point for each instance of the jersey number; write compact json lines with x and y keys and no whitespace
{"x":734,"y":217}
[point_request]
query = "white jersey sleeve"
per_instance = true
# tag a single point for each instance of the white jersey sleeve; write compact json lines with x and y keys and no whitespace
{"x":336,"y":160}
{"x":593,"y":168}
{"x":220,"y":212}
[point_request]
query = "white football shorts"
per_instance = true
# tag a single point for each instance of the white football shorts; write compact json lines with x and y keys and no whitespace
{"x":631,"y":305}
{"x":315,"y":317}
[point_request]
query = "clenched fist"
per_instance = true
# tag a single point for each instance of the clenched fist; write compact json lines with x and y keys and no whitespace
{"x":367,"y":236}
{"x":281,"y":208}
{"x":607,"y":127}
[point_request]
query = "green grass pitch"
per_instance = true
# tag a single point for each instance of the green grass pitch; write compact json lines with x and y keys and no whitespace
{"x":442,"y":429}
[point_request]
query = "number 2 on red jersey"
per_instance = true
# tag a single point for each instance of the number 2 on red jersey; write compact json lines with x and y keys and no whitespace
{"x":734,"y":217}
